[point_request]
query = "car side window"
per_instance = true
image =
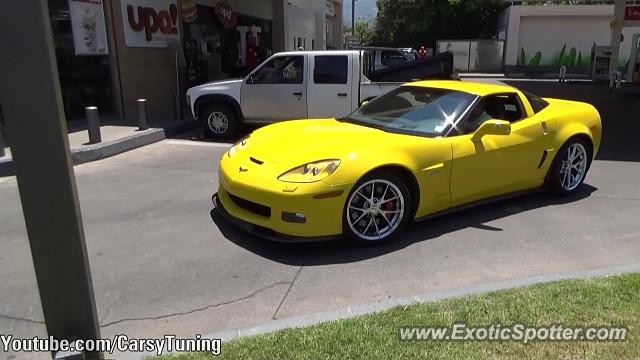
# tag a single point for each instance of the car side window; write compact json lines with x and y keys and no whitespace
{"x":280,"y":70}
{"x":498,"y":107}
{"x":392,"y":57}
{"x":537,"y":103}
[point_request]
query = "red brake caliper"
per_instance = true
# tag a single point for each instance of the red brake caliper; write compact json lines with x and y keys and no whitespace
{"x":390,"y":206}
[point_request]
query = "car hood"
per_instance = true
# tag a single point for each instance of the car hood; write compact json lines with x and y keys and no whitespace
{"x":228,"y":87}
{"x":300,"y":141}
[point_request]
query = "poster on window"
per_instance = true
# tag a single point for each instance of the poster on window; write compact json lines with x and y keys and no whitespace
{"x":89,"y":31}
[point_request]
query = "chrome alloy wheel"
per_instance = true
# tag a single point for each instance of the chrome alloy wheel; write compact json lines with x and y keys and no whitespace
{"x":375,"y":209}
{"x":573,"y":167}
{"x":218,"y":122}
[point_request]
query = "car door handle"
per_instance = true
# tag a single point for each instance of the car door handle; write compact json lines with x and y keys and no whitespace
{"x":342,"y":94}
{"x":297,"y":94}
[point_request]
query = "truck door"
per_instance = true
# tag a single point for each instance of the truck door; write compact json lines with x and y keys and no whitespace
{"x":329,"y":89}
{"x":275,"y":91}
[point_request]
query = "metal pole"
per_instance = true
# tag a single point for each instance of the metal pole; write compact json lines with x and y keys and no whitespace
{"x":2,"y":143}
{"x":353,"y":18}
{"x":93,"y":124}
{"x":142,"y":114}
{"x":44,"y":171}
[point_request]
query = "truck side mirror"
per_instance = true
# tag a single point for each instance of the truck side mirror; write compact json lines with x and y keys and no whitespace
{"x":492,"y":127}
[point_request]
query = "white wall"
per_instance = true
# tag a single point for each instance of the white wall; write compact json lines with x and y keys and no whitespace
{"x":548,"y":28}
{"x":302,"y":24}
{"x":307,"y":19}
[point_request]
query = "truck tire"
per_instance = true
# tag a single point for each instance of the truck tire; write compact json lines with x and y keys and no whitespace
{"x":219,"y":121}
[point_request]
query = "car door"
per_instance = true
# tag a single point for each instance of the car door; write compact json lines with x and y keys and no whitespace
{"x":329,"y":89}
{"x":497,"y":164}
{"x":276,"y":90}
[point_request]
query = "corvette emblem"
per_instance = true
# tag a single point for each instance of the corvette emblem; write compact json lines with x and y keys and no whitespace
{"x":243,"y":169}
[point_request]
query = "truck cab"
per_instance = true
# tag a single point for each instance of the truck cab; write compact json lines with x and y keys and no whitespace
{"x":288,"y":85}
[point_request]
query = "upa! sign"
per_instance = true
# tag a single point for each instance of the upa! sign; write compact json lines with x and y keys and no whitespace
{"x":149,"y":23}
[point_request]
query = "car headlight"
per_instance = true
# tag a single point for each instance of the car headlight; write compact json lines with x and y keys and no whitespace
{"x":237,"y":146}
{"x":311,"y":172}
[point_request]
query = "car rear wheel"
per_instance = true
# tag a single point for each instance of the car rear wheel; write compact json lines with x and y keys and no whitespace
{"x":570,"y":167}
{"x":377,"y":209}
{"x":219,"y":121}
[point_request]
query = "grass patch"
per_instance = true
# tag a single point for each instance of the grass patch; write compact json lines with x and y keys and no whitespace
{"x":605,"y":301}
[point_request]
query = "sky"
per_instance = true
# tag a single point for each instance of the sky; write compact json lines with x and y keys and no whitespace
{"x":364,"y":8}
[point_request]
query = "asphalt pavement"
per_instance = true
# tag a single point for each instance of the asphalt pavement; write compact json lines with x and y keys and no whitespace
{"x":162,"y":263}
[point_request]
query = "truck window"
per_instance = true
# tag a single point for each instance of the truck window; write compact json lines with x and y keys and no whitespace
{"x":392,"y":57}
{"x":280,"y":70}
{"x":330,"y":69}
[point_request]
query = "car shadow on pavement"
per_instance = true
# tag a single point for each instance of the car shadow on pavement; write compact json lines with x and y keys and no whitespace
{"x":340,"y":251}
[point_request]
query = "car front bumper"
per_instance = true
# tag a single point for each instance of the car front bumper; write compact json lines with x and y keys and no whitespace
{"x":264,"y":232}
{"x":276,"y":209}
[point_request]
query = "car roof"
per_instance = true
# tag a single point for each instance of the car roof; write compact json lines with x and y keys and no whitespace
{"x":475,"y":88}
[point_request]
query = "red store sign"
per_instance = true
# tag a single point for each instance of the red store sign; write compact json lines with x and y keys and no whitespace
{"x":149,"y":23}
{"x":632,"y":13}
{"x":225,"y":15}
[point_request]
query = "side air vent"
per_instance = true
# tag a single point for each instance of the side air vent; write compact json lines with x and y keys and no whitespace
{"x":544,"y":157}
{"x":259,"y":162}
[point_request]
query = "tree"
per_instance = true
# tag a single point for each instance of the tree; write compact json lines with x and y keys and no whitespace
{"x":422,"y":22}
{"x":364,"y":32}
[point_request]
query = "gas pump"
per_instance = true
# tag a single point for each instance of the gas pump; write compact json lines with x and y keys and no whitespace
{"x":633,"y":70}
{"x":600,"y":60}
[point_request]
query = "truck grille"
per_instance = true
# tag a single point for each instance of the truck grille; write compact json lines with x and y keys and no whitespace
{"x":251,"y":206}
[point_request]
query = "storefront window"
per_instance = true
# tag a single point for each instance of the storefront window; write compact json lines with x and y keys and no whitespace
{"x":85,"y":80}
{"x":218,"y":49}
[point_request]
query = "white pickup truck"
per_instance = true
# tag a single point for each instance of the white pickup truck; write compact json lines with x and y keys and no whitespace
{"x":288,"y":85}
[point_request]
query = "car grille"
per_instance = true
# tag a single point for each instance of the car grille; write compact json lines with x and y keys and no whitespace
{"x":251,"y":206}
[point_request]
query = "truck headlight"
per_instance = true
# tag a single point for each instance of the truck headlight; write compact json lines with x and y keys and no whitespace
{"x":311,"y":172}
{"x":241,"y":144}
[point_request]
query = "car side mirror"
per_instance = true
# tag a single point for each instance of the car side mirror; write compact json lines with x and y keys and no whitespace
{"x":364,"y":103}
{"x":251,"y":79}
{"x":492,"y":127}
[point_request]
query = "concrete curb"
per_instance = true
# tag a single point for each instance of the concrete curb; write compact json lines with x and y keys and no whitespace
{"x":353,"y":311}
{"x":107,"y":149}
{"x":111,"y":148}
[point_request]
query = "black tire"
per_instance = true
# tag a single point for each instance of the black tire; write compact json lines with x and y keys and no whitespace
{"x":219,"y":121}
{"x":381,"y":179}
{"x":555,"y":178}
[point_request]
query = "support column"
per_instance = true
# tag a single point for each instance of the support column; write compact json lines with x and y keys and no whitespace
{"x":280,"y":27}
{"x":616,"y":32}
{"x":32,"y":106}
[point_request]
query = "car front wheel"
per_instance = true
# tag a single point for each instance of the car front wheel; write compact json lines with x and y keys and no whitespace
{"x":377,"y":209}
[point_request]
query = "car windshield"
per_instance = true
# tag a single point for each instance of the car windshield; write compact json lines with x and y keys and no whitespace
{"x":414,"y":110}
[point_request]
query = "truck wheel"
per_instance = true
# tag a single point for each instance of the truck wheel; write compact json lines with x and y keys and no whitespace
{"x":219,"y":121}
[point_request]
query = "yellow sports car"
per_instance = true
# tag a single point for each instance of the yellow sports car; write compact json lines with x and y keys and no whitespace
{"x":420,"y":150}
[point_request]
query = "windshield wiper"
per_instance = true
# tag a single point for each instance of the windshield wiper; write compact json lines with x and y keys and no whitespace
{"x":363,"y":123}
